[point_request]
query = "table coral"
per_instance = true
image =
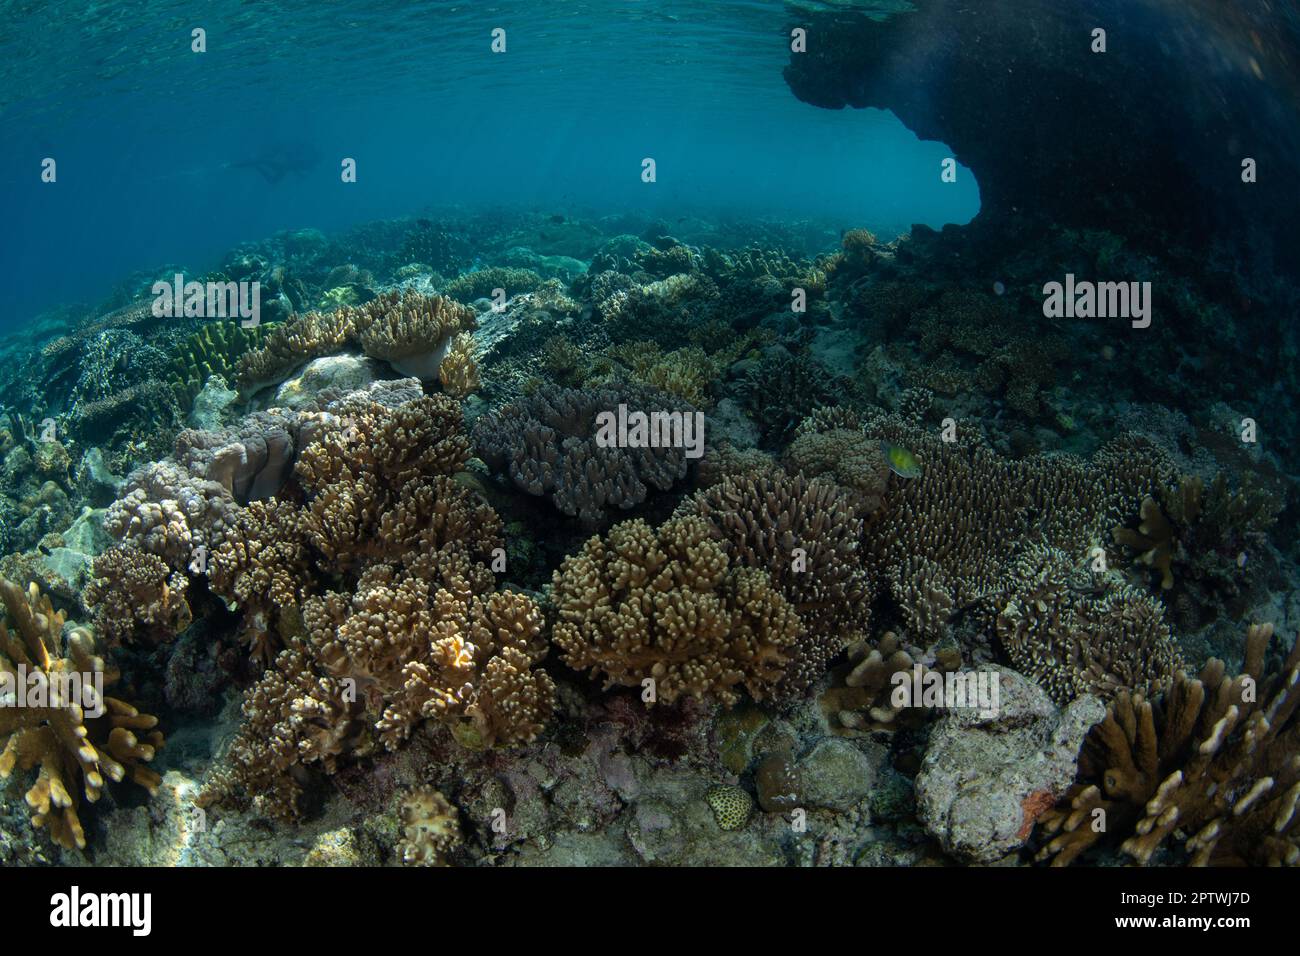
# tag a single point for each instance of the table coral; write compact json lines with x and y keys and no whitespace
{"x":75,"y":750}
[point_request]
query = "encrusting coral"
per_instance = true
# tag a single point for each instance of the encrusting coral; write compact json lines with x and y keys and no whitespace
{"x":668,"y":605}
{"x":1211,"y":765}
{"x":77,"y":736}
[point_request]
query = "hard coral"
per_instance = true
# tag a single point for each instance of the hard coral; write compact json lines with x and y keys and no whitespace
{"x":377,"y":583}
{"x":805,"y":536}
{"x":668,"y":605}
{"x":1076,"y":632}
{"x":547,"y":444}
{"x":1210,"y":764}
{"x":75,"y":748}
{"x":134,"y":593}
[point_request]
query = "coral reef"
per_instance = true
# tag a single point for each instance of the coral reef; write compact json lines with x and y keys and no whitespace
{"x":419,"y":634}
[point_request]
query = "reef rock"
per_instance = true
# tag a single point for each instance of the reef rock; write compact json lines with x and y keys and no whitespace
{"x":985,"y":780}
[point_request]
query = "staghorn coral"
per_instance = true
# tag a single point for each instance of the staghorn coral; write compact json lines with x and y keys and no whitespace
{"x":805,"y":536}
{"x":430,"y":830}
{"x":76,"y":749}
{"x":1075,"y":631}
{"x":1210,"y":765}
{"x":668,"y":605}
{"x":547,"y":444}
{"x":685,"y":372}
{"x":135,"y":593}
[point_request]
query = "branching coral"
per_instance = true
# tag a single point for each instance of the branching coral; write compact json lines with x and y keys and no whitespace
{"x":1211,"y":765}
{"x":830,"y":446}
{"x":79,"y":740}
{"x":547,"y":443}
{"x":805,"y":536}
{"x":1201,"y":533}
{"x":426,"y":639}
{"x":135,"y":593}
{"x":214,"y":350}
{"x":668,"y":605}
{"x":377,"y":583}
{"x":944,"y":539}
{"x":291,"y":345}
{"x":1076,"y":632}
{"x":864,"y":699}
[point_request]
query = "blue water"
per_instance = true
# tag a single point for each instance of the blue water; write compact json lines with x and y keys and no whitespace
{"x":148,"y":135}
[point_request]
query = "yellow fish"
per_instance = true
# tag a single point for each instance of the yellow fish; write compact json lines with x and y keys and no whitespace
{"x":901,"y":461}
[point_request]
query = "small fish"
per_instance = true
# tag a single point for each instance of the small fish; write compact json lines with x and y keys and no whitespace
{"x":999,"y":288}
{"x":901,"y":461}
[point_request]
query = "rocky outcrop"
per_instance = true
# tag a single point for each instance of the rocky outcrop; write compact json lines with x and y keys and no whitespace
{"x":1157,"y":125}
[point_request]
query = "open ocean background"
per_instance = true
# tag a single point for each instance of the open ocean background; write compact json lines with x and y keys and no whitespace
{"x":145,"y":131}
